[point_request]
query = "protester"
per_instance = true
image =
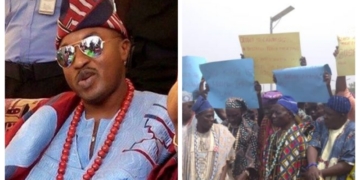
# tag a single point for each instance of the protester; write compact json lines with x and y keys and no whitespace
{"x":331,"y":152}
{"x":207,"y":149}
{"x":285,"y":152}
{"x":245,"y":131}
{"x":268,"y":100}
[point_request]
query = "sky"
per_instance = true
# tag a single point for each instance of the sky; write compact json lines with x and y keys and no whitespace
{"x":210,"y":28}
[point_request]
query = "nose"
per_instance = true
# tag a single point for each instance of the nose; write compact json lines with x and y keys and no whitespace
{"x":80,"y":59}
{"x":212,"y":119}
{"x":272,"y":115}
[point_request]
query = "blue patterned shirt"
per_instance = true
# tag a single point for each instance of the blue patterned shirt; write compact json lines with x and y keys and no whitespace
{"x":344,"y":145}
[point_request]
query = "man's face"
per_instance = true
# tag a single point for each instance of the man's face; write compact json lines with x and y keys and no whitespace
{"x":95,"y":79}
{"x":280,"y":117}
{"x":206,"y":119}
{"x":256,"y":114}
{"x":187,"y":112}
{"x":267,"y":110}
{"x":313,"y":115}
{"x":332,"y":119}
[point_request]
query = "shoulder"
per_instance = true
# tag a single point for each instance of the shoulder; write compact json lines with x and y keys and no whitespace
{"x":351,"y":126}
{"x":350,"y":129}
{"x":151,"y":108}
{"x":145,"y":98}
{"x":297,"y":135}
{"x":223,"y":131}
{"x":253,"y":125}
{"x":319,"y":122}
{"x":63,"y":103}
{"x":149,"y":103}
{"x":220,"y":127}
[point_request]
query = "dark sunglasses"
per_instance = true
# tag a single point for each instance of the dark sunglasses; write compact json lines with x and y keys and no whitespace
{"x":91,"y":46}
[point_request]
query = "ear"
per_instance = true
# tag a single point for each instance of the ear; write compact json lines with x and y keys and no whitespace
{"x":197,"y":116}
{"x":343,"y":116}
{"x":124,"y":49}
{"x":290,"y":114}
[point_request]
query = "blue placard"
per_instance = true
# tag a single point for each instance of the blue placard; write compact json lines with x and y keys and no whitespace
{"x":191,"y":74}
{"x":304,"y":84}
{"x":230,"y":78}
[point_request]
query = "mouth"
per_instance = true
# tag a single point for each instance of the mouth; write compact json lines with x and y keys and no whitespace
{"x":210,"y":123}
{"x":274,"y":120}
{"x":85,"y":78}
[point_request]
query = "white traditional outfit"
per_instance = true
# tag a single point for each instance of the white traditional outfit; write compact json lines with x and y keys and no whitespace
{"x":206,"y":154}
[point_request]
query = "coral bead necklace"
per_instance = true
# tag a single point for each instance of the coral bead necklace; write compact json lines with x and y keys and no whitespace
{"x":105,"y":147}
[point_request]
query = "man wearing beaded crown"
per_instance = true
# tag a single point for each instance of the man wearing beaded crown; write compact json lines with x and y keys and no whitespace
{"x":207,"y":146}
{"x":245,"y":131}
{"x":102,"y":130}
{"x":285,"y":152}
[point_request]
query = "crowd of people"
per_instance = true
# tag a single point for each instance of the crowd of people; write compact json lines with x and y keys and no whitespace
{"x":281,"y":140}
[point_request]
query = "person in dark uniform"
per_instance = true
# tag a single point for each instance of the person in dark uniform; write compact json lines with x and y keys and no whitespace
{"x":153,"y":30}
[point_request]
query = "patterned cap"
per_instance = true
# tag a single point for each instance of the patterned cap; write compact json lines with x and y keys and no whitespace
{"x":339,"y":104}
{"x":289,"y":103}
{"x":201,"y":105}
{"x":270,"y":97}
{"x":186,"y":97}
{"x":80,"y":14}
{"x":235,"y":103}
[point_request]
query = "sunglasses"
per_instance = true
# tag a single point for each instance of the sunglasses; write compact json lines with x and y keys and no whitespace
{"x":91,"y":46}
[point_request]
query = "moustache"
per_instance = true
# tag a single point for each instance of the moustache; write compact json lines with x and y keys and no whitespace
{"x":85,"y":73}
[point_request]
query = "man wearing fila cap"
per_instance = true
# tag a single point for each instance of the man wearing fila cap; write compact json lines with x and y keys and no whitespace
{"x":331,"y":152}
{"x":285,"y":150}
{"x":104,"y":129}
{"x":207,"y":147}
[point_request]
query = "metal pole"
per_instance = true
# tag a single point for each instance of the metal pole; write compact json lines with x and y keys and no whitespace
{"x":275,"y":18}
{"x":271,"y":31}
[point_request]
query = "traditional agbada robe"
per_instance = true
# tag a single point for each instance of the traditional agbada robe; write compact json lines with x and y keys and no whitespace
{"x":266,"y":128}
{"x":214,"y":149}
{"x":285,"y":151}
{"x":246,"y":141}
{"x":291,"y":158}
{"x":143,"y":141}
{"x":335,"y":145}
